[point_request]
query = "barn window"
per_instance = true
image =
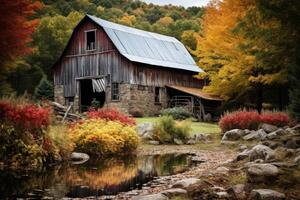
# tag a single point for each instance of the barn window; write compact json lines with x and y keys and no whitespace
{"x":157,"y":95}
{"x":90,"y":40}
{"x":115,"y":92}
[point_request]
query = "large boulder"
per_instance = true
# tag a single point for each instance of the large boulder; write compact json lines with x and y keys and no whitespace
{"x":261,"y":152}
{"x":145,"y":130}
{"x":186,"y":183}
{"x":79,"y":158}
{"x":234,"y":134}
{"x":258,"y":173}
{"x":266,"y":194}
{"x":268,"y":128}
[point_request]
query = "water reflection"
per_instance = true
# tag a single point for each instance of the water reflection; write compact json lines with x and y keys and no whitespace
{"x":94,"y":178}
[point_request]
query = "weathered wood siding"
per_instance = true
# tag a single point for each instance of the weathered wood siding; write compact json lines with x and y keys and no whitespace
{"x":77,"y":62}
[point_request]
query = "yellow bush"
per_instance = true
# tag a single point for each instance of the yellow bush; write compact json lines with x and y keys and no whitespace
{"x":95,"y":136}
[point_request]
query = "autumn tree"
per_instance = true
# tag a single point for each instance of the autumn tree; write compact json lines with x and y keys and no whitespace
{"x":219,"y":51}
{"x":16,"y":30}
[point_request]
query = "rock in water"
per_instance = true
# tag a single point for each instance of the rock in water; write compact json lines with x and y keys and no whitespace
{"x":261,"y":173}
{"x":79,"y":158}
{"x":266,"y":194}
{"x":185,"y":183}
{"x":234,"y":134}
{"x":261,"y":152}
{"x":268,"y":128}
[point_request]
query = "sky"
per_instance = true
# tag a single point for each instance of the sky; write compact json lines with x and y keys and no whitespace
{"x":185,"y":3}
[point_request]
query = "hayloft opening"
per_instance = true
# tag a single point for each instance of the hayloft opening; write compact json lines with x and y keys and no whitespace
{"x":90,"y":40}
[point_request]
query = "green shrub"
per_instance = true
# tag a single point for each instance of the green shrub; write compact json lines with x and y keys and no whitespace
{"x":44,"y":91}
{"x":167,"y":129}
{"x":178,"y":113}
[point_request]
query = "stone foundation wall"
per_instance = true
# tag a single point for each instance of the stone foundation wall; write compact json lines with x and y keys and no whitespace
{"x":132,"y":98}
{"x":137,"y":98}
{"x":59,"y":94}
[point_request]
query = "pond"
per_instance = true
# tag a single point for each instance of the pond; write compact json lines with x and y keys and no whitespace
{"x":93,"y":178}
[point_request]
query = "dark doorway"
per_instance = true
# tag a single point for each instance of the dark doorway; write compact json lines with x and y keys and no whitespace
{"x":89,"y":97}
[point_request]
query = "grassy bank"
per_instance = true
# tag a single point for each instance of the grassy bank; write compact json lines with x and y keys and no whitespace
{"x":198,"y":127}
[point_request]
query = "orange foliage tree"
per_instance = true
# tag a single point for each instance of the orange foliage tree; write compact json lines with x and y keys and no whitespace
{"x":16,"y":28}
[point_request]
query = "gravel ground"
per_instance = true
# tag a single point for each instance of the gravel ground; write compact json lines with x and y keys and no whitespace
{"x":212,"y":158}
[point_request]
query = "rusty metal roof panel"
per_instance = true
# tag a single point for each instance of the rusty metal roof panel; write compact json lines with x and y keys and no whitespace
{"x":147,"y":47}
{"x":196,"y":92}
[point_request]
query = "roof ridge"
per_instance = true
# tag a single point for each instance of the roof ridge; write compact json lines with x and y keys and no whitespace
{"x":129,"y":27}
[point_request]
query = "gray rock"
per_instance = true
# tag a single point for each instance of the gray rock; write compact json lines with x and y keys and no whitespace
{"x":272,"y":136}
{"x":296,"y":128}
{"x":243,"y":155}
{"x":222,"y":195}
{"x":291,"y":144}
{"x":200,"y":137}
{"x":174,"y":192}
{"x":153,"y":142}
{"x":268,"y":128}
{"x":262,"y":173}
{"x":272,"y":144}
{"x":158,"y":196}
{"x":222,"y":170}
{"x":237,"y":192}
{"x":178,"y":141}
{"x":233,"y":135}
{"x":256,"y":135}
{"x":191,"y":142}
{"x":145,"y":130}
{"x":297,"y":160}
{"x":290,"y":131}
{"x":261,"y":152}
{"x":79,"y":158}
{"x":243,"y":147}
{"x":266,"y":194}
{"x":185,"y":183}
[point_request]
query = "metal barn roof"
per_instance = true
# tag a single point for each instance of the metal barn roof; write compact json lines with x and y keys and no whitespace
{"x":147,"y":47}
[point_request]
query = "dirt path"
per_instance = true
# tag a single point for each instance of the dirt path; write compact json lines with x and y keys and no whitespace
{"x":212,"y":158}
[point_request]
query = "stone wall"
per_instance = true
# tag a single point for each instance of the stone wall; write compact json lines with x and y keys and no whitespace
{"x":135,"y":97}
{"x":132,"y":98}
{"x":59,"y":94}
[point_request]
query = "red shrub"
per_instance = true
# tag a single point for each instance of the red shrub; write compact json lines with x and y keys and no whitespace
{"x":27,"y":117}
{"x":241,"y":120}
{"x":277,"y":119}
{"x":251,"y":120}
{"x":111,"y":114}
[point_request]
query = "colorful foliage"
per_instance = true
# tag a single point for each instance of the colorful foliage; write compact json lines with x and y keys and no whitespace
{"x":167,"y":129}
{"x":251,"y":120}
{"x":110,"y":114}
{"x":22,"y":135}
{"x":103,"y":137}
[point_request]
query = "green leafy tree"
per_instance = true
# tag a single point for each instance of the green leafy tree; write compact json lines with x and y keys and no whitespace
{"x":50,"y":39}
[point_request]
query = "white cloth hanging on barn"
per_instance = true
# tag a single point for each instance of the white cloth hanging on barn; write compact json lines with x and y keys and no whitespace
{"x":98,"y":85}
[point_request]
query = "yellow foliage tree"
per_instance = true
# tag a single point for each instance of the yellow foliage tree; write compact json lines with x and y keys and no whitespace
{"x":235,"y":50}
{"x":165,"y":21}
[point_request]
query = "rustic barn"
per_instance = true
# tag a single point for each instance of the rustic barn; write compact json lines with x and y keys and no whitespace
{"x":133,"y":70}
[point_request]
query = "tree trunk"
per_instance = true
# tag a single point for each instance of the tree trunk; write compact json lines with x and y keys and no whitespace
{"x":259,"y":98}
{"x":280,"y":100}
